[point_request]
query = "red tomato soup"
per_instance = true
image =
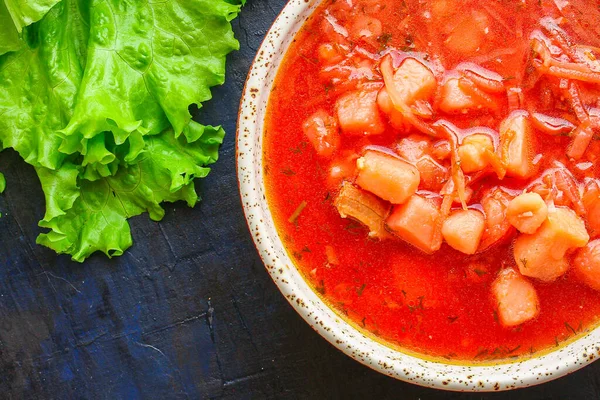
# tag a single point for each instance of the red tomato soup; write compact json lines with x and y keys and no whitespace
{"x":432,"y":169}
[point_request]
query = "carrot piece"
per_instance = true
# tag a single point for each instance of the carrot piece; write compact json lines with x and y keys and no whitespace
{"x":542,"y":255}
{"x":437,"y":239}
{"x":587,"y":264}
{"x":322,"y":132}
{"x":565,"y":182}
{"x":497,"y":228}
{"x":527,"y":212}
{"x":472,"y":152}
{"x":591,"y":201}
{"x":414,"y":222}
{"x":574,"y":96}
{"x":516,"y":298}
{"x":364,"y":207}
{"x":387,"y":176}
{"x":463,"y":230}
{"x":332,"y":258}
{"x":515,"y":98}
{"x":458,"y":177}
{"x":517,"y":145}
{"x":358,"y":113}
{"x":495,"y":162}
{"x":582,"y":136}
{"x":574,"y":71}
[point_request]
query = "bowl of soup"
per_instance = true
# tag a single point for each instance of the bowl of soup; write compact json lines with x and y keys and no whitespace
{"x":421,"y":180}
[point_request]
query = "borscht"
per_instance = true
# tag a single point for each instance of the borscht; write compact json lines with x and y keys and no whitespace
{"x":432,"y":169}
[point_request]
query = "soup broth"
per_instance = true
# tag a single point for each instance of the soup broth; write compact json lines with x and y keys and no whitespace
{"x":431,"y":167}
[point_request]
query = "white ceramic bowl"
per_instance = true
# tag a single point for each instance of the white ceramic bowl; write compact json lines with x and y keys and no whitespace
{"x":322,"y":318}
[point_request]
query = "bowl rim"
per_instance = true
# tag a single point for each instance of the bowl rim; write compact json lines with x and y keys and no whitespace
{"x":324,"y":320}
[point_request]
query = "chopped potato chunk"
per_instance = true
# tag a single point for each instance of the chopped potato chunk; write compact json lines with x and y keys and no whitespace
{"x":322,"y":132}
{"x":542,"y":255}
{"x":516,"y":298}
{"x":463,"y":230}
{"x":516,"y":140}
{"x":472,"y":152}
{"x":413,"y":147}
{"x":363,"y":207}
{"x":415,"y":83}
{"x":387,"y":176}
{"x":414,"y":222}
{"x":587,"y":264}
{"x":454,"y":99}
{"x":527,"y":212}
{"x":497,"y":228}
{"x":358,"y":113}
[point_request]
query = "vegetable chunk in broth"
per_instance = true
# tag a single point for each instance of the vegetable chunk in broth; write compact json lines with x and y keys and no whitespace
{"x":432,"y":167}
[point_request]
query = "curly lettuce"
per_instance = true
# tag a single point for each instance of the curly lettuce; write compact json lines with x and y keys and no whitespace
{"x":96,"y":97}
{"x":16,"y":15}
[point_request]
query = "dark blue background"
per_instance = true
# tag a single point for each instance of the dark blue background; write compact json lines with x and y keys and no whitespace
{"x":189,"y":311}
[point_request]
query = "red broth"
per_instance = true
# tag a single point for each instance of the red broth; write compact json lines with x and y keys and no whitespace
{"x":436,"y":304}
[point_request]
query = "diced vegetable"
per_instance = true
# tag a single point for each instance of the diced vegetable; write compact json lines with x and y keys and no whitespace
{"x":365,"y":27}
{"x":467,"y":37}
{"x":330,"y":54}
{"x":497,"y":228}
{"x":358,"y":113}
{"x":542,"y":255}
{"x":414,"y":83}
{"x":364,"y":207}
{"x":516,"y":141}
{"x":472,"y":152}
{"x":413,"y":147}
{"x":433,"y":174}
{"x":414,"y":222}
{"x":396,"y":97}
{"x":454,"y":99}
{"x":441,"y":150}
{"x":395,"y":117}
{"x":591,"y":201}
{"x":587,"y":264}
{"x":463,"y":230}
{"x":322,"y":132}
{"x":342,"y":168}
{"x":387,"y":176}
{"x":527,"y":212}
{"x":516,"y":298}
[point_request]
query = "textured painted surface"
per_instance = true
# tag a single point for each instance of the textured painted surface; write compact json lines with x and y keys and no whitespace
{"x":189,"y":311}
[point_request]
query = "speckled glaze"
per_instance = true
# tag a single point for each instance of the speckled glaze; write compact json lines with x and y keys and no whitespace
{"x":322,"y":318}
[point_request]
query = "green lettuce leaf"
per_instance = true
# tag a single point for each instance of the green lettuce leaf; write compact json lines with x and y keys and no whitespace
{"x":2,"y":183}
{"x":95,"y":96}
{"x":85,"y":216}
{"x":38,"y":85}
{"x":147,"y":63}
{"x":16,"y":15}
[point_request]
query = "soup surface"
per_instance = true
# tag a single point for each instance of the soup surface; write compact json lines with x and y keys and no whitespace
{"x":432,"y":169}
